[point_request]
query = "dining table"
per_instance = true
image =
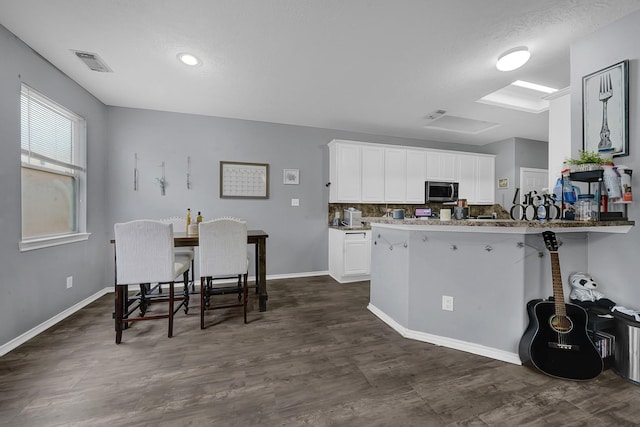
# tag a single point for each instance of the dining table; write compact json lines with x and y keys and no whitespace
{"x":254,"y":237}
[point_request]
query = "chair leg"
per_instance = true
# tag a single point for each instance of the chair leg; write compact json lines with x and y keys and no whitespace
{"x":119,"y":312}
{"x":185,"y":278}
{"x":170,"y":309}
{"x":193,"y":279}
{"x":202,"y":291}
{"x":245,"y":289}
{"x":144,"y":302}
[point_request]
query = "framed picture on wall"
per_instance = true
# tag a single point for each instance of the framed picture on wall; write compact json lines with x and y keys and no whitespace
{"x":244,"y":180}
{"x":605,"y":109}
{"x":291,"y":176}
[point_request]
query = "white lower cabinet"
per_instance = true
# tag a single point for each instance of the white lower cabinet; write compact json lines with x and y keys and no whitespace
{"x":349,"y":255}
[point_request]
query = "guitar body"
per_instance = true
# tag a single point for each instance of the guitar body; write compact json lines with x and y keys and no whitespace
{"x":564,"y":349}
{"x":529,"y":333}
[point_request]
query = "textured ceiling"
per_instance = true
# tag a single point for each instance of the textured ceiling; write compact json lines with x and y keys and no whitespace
{"x":377,"y":67}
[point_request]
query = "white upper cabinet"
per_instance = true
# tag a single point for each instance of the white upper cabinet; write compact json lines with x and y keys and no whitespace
{"x":441,"y":166}
{"x":344,"y":173}
{"x":486,"y":180}
{"x":466,"y":177}
{"x":395,"y":178}
{"x":372,"y":174}
{"x":416,"y":175}
{"x":362,"y":172}
{"x":476,"y":175}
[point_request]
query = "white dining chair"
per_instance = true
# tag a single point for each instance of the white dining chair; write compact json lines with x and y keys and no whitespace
{"x":145,"y":256}
{"x":223,"y":255}
{"x":180,"y":224}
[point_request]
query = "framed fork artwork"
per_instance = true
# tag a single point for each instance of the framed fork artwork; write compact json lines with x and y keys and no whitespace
{"x":605,"y":110}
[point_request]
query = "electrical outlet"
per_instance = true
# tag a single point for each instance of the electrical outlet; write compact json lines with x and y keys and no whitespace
{"x":447,"y":303}
{"x":69,"y":282}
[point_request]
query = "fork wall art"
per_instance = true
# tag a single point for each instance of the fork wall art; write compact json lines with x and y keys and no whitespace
{"x":605,"y":109}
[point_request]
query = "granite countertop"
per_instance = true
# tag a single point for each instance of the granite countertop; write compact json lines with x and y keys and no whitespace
{"x":367,"y":226}
{"x":496,"y":223}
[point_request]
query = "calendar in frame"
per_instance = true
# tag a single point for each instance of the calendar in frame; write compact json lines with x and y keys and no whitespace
{"x":240,"y":180}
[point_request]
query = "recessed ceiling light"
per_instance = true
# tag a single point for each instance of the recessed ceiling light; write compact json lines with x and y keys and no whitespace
{"x":189,"y":59}
{"x":513,"y":59}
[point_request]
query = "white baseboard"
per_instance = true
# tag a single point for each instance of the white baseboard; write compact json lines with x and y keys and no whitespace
{"x":19,"y":340}
{"x":455,"y":344}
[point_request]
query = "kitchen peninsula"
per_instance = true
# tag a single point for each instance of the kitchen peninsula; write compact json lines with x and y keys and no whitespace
{"x":464,"y":284}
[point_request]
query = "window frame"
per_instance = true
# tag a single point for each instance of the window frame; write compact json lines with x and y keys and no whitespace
{"x":76,"y":169}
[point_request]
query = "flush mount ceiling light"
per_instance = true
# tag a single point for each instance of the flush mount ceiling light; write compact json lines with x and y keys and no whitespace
{"x":513,"y":59}
{"x":189,"y":59}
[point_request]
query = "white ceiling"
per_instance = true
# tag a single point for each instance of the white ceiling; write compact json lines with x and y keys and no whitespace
{"x":377,"y":67}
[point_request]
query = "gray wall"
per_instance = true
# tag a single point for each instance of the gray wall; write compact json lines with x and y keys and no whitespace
{"x":511,"y":155}
{"x":33,"y":284}
{"x":505,"y":152}
{"x":531,"y":154}
{"x":613,"y":259}
{"x":297,"y":235}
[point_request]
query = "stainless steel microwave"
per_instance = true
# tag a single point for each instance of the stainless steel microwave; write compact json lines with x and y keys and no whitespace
{"x":440,"y":191}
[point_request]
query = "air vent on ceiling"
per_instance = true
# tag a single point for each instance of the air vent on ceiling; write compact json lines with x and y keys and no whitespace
{"x":93,"y":61}
{"x":436,"y":114}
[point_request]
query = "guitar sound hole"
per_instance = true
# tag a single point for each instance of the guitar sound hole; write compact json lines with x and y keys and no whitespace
{"x":561,"y":324}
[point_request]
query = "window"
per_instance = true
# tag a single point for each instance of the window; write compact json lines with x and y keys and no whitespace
{"x":53,"y":142}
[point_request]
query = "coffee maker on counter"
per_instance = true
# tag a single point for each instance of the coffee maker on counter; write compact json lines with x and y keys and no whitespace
{"x":352,"y":218}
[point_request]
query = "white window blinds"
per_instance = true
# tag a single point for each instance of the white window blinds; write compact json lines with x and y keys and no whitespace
{"x":47,"y":132}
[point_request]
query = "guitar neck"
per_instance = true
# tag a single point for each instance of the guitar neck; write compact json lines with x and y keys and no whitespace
{"x":558,"y":293}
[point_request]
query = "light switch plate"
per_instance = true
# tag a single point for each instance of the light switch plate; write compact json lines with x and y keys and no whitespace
{"x":295,"y":202}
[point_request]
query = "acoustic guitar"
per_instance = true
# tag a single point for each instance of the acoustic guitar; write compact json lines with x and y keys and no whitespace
{"x":556,"y":341}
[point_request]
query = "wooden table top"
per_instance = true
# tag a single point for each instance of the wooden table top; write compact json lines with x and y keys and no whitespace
{"x":182,"y":239}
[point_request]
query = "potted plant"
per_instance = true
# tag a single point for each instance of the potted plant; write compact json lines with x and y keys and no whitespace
{"x":588,"y":161}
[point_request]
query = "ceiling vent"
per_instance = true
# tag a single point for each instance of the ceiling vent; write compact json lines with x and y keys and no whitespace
{"x":436,"y":114}
{"x":93,"y":61}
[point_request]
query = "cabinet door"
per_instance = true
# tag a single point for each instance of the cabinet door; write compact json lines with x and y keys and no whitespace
{"x":476,"y":177}
{"x":441,"y":166}
{"x":395,"y":181}
{"x":467,"y":177}
{"x":372,"y":174}
{"x":357,"y":253}
{"x":416,"y":175}
{"x":486,"y":183}
{"x":348,"y":173}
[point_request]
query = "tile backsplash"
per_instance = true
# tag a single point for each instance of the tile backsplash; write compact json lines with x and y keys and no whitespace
{"x":378,"y":210}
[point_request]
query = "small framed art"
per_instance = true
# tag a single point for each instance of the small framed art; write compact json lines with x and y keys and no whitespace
{"x":291,"y":176}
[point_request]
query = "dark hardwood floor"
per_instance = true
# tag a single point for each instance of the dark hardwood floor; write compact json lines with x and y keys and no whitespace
{"x":318,"y":357}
